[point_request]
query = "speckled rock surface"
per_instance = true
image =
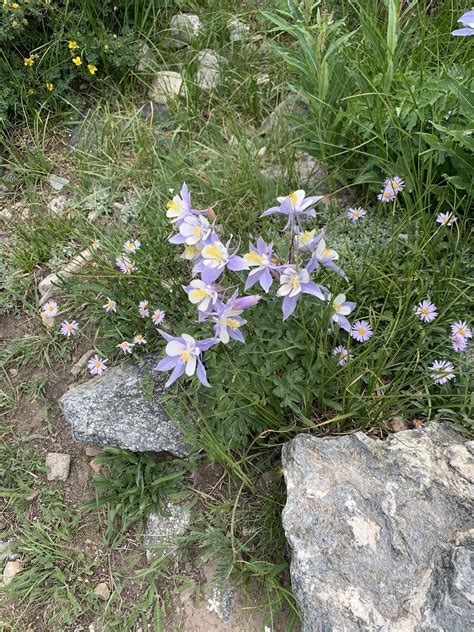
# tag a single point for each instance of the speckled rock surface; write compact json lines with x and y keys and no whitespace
{"x":381,"y":532}
{"x":113,"y":410}
{"x":162,"y":530}
{"x":208,"y":72}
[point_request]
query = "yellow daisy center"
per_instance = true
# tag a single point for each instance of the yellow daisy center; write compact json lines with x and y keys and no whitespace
{"x":425,"y":311}
{"x":186,"y":354}
{"x":361,"y":330}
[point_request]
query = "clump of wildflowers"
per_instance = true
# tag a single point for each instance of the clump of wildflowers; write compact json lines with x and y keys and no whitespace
{"x":125,"y":265}
{"x":461,"y":328}
{"x":426,"y":311}
{"x":441,"y":371}
{"x":212,"y":257}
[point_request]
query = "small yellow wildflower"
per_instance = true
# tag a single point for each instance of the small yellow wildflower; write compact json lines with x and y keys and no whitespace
{"x":49,"y":86}
{"x":15,"y":5}
{"x":28,"y":61}
{"x":72,"y":45}
{"x":91,"y":68}
{"x":77,"y":60}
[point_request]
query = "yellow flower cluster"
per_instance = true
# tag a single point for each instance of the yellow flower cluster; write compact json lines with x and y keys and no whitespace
{"x":77,"y":60}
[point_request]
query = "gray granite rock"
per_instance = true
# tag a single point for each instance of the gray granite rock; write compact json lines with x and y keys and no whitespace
{"x":113,"y":410}
{"x":184,"y":28}
{"x":381,"y":531}
{"x":162,"y":530}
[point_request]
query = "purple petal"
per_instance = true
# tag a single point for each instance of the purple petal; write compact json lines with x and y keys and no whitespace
{"x":314,"y":289}
{"x":177,"y":239}
{"x":178,"y":372}
{"x":252,"y":278}
{"x":261,"y":246}
{"x":289,"y":304}
{"x":266,"y":280}
{"x":201,"y":374}
{"x":271,"y":211}
{"x":207,"y":343}
{"x":350,"y":304}
{"x":463,"y":32}
{"x":344,"y":323}
{"x":312,"y":264}
{"x":167,"y":336}
{"x":236,"y":334}
{"x":244,"y":302}
{"x":209,"y":275}
{"x":167,"y":363}
{"x":236,"y":263}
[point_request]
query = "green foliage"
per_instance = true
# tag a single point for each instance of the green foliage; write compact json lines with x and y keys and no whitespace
{"x":381,"y":99}
{"x":135,"y":485}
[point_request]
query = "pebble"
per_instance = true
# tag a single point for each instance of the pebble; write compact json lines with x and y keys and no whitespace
{"x":208,"y":72}
{"x":102,"y":591}
{"x":11,"y":569}
{"x":57,"y":466}
{"x":238,"y":30}
{"x":57,"y":182}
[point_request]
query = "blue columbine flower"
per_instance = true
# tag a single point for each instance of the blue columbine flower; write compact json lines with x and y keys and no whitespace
{"x":295,"y":206}
{"x":467,"y":20}
{"x":183,"y":355}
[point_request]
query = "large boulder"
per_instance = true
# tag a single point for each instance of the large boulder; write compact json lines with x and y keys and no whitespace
{"x":381,"y":531}
{"x":114,"y":410}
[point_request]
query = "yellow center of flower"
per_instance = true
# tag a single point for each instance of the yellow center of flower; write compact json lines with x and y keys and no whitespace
{"x":97,"y":364}
{"x":446,"y":219}
{"x":356,"y":213}
{"x":131,"y":245}
{"x":186,"y":354}
{"x":233,"y":323}
{"x":327,"y":252}
{"x":138,"y":337}
{"x":129,"y":266}
{"x":50,"y":308}
{"x":425,"y":311}
{"x":361,"y":330}
{"x":294,"y":282}
{"x":293,"y":198}
{"x":173,"y":205}
{"x":253,"y":257}
{"x":213,"y":252}
{"x":198,"y":294}
{"x":196,"y":231}
{"x":462,"y":331}
{"x":337,"y":306}
{"x":190,"y":251}
{"x":70,"y":327}
{"x":387,"y":194}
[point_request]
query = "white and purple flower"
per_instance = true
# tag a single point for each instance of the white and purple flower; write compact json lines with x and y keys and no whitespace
{"x":342,"y":355}
{"x":193,"y":230}
{"x":446,"y":219}
{"x":125,"y":265}
{"x":139,"y":339}
{"x":342,"y":309}
{"x":355,"y":214}
{"x":183,"y":355}
{"x":227,"y":319}
{"x":426,"y":310}
{"x":259,"y":258}
{"x":202,"y":294}
{"x":459,"y":342}
{"x":131,"y":246}
{"x":361,"y":331}
{"x":295,"y":206}
{"x":215,"y":258}
{"x":158,"y":316}
{"x":50,"y":309}
{"x":110,"y":306}
{"x":441,"y":371}
{"x":69,"y":328}
{"x":294,"y":283}
{"x":461,"y":328}
{"x":125,"y":346}
{"x":96,"y":365}
{"x":143,"y":309}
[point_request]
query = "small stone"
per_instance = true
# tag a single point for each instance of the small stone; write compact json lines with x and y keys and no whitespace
{"x":50,"y":283}
{"x":12,"y":372}
{"x":48,"y":321}
{"x":57,"y":182}
{"x":5,"y":215}
{"x":11,"y":569}
{"x":57,"y":466}
{"x":221,"y":602}
{"x":97,"y":467}
{"x":238,"y":30}
{"x":208,"y":72}
{"x":162,"y":531}
{"x":93,"y":450}
{"x":184,"y":28}
{"x":398,"y":424}
{"x":166,"y":85}
{"x":102,"y":591}
{"x":146,"y":56}
{"x":262,"y":152}
{"x":78,"y":366}
{"x":56,"y":205}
